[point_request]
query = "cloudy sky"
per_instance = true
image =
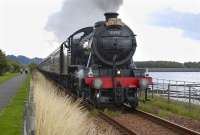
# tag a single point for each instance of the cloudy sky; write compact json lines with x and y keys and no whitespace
{"x":165,"y":29}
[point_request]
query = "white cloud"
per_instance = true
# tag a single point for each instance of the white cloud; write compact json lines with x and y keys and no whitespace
{"x":22,"y":28}
{"x":156,"y":43}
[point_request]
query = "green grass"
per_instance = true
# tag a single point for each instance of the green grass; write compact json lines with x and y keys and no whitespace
{"x":112,"y":113}
{"x":109,"y":112}
{"x":7,"y":76}
{"x":11,"y":118}
{"x":94,"y":112}
{"x":163,"y":108}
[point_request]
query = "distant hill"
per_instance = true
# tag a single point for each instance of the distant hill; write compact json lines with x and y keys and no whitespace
{"x":24,"y":60}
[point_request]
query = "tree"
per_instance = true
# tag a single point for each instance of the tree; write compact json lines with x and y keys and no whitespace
{"x":159,"y":64}
{"x":3,"y":62}
{"x":13,"y":66}
{"x":32,"y":66}
{"x":192,"y":64}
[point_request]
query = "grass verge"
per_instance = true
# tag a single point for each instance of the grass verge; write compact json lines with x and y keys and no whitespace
{"x":163,"y":108}
{"x":11,"y":118}
{"x":7,"y":76}
{"x":112,"y":113}
{"x":107,"y":111}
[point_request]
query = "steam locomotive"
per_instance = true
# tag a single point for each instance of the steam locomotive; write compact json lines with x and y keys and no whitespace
{"x":96,"y":64}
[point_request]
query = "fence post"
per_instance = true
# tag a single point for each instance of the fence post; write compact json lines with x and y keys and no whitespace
{"x":152,"y":91}
{"x":168,"y":95}
{"x":184,"y":90}
{"x":163,"y":84}
{"x":189,"y":97}
{"x":157,"y":84}
{"x":29,"y":122}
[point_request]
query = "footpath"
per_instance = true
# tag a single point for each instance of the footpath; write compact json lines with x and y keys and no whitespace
{"x":9,"y":88}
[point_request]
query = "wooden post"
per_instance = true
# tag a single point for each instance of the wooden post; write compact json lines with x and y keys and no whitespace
{"x":157,"y":85}
{"x":146,"y":94}
{"x":163,"y":84}
{"x":189,"y":97}
{"x":152,"y":91}
{"x":168,"y":95}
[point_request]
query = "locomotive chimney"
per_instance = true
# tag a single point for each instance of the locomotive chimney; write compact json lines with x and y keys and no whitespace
{"x":111,"y":15}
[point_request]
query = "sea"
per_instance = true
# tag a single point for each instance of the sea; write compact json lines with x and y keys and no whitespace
{"x":188,"y":77}
{"x":177,"y":76}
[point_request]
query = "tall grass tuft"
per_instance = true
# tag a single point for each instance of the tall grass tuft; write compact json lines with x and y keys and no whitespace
{"x":55,"y":114}
{"x":59,"y":115}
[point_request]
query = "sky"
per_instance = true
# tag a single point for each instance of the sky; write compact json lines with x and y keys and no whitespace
{"x":165,"y":29}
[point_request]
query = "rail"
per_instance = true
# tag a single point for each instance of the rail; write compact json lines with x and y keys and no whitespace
{"x":173,"y":126}
{"x":122,"y":129}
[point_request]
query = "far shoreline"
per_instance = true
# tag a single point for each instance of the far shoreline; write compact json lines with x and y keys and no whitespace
{"x":174,"y":69}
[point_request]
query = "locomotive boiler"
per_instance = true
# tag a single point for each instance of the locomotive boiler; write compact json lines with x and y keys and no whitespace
{"x":96,"y":64}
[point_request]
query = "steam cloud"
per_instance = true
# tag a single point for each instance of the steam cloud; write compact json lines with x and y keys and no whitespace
{"x":76,"y":14}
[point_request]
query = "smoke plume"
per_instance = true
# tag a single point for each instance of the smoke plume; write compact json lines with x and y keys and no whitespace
{"x":76,"y":14}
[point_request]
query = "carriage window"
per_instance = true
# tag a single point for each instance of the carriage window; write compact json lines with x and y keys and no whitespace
{"x":66,"y":43}
{"x":86,"y":44}
{"x":78,"y":36}
{"x":65,"y":50}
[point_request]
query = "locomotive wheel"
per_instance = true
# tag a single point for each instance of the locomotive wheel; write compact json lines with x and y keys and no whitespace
{"x":134,"y":103}
{"x":94,"y":99}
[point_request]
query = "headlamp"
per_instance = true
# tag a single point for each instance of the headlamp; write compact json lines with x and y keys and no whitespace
{"x":143,"y":83}
{"x":97,"y":83}
{"x":118,"y":72}
{"x":80,"y":74}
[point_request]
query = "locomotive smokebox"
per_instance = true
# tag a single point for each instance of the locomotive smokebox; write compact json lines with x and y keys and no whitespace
{"x":113,"y":43}
{"x":110,"y":15}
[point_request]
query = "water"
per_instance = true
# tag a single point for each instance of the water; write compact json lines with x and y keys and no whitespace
{"x":177,"y":76}
{"x":180,"y":93}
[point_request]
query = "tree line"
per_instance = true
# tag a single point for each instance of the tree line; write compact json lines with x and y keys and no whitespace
{"x":8,"y":65}
{"x":166,"y":64}
{"x":12,"y":66}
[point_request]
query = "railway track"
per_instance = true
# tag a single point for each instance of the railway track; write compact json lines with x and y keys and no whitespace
{"x":165,"y":123}
{"x":124,"y":130}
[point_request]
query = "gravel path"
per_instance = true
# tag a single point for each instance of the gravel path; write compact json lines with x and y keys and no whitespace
{"x":9,"y":88}
{"x":143,"y":126}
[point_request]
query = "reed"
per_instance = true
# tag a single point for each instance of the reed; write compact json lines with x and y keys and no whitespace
{"x":55,"y":114}
{"x":60,"y":115}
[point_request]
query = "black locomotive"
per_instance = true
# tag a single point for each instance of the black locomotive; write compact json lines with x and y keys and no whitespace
{"x":96,"y":64}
